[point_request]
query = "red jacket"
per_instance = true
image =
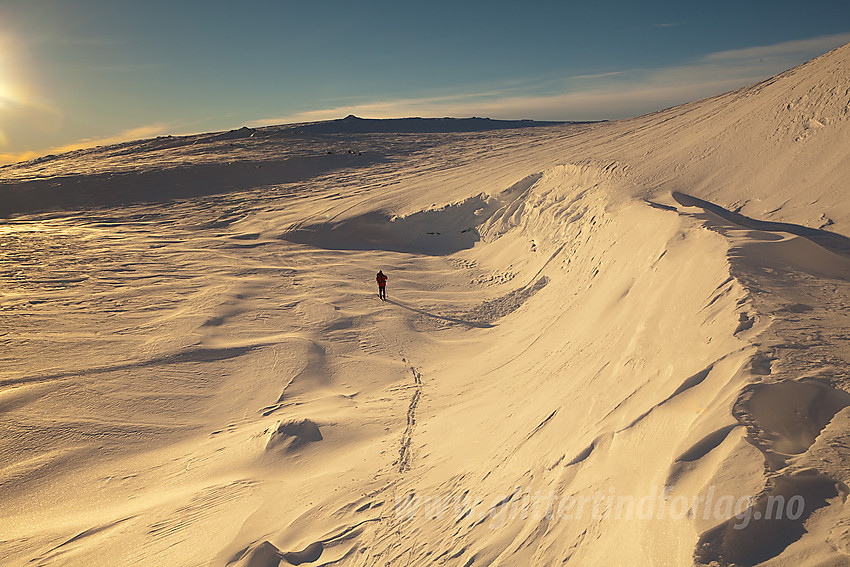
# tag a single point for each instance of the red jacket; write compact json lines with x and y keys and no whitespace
{"x":382,"y":279}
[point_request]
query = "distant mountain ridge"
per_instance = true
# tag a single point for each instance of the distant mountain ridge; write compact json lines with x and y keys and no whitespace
{"x":355,"y":125}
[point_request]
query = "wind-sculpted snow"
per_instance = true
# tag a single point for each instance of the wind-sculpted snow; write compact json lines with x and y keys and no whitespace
{"x":603,"y":344}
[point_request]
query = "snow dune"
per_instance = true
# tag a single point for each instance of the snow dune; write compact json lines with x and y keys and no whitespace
{"x":604,"y":344}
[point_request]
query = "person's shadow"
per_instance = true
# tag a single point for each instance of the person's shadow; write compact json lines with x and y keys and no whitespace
{"x":477,"y":324}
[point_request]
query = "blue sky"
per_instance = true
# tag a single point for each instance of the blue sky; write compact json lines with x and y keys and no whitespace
{"x":81,"y":72}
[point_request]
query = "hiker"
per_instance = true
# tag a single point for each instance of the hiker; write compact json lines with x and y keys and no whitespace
{"x":382,"y":285}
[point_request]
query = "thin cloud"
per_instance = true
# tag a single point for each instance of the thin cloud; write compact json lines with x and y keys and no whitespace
{"x":137,"y":133}
{"x":796,"y":48}
{"x":15,"y":157}
{"x":379,"y":109}
{"x":626,"y":99}
{"x":597,"y":75}
{"x":611,"y":95}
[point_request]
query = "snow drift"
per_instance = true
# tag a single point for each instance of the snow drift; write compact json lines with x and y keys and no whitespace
{"x":605,"y":344}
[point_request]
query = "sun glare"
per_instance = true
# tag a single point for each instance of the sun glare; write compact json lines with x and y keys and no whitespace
{"x":4,"y":93}
{"x":13,"y":85}
{"x":5,"y":71}
{"x":4,"y":85}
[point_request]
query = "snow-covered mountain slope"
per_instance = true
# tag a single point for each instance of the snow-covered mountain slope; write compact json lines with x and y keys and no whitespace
{"x":601,"y":343}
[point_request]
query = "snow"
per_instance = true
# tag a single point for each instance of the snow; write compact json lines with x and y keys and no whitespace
{"x":601,"y":342}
